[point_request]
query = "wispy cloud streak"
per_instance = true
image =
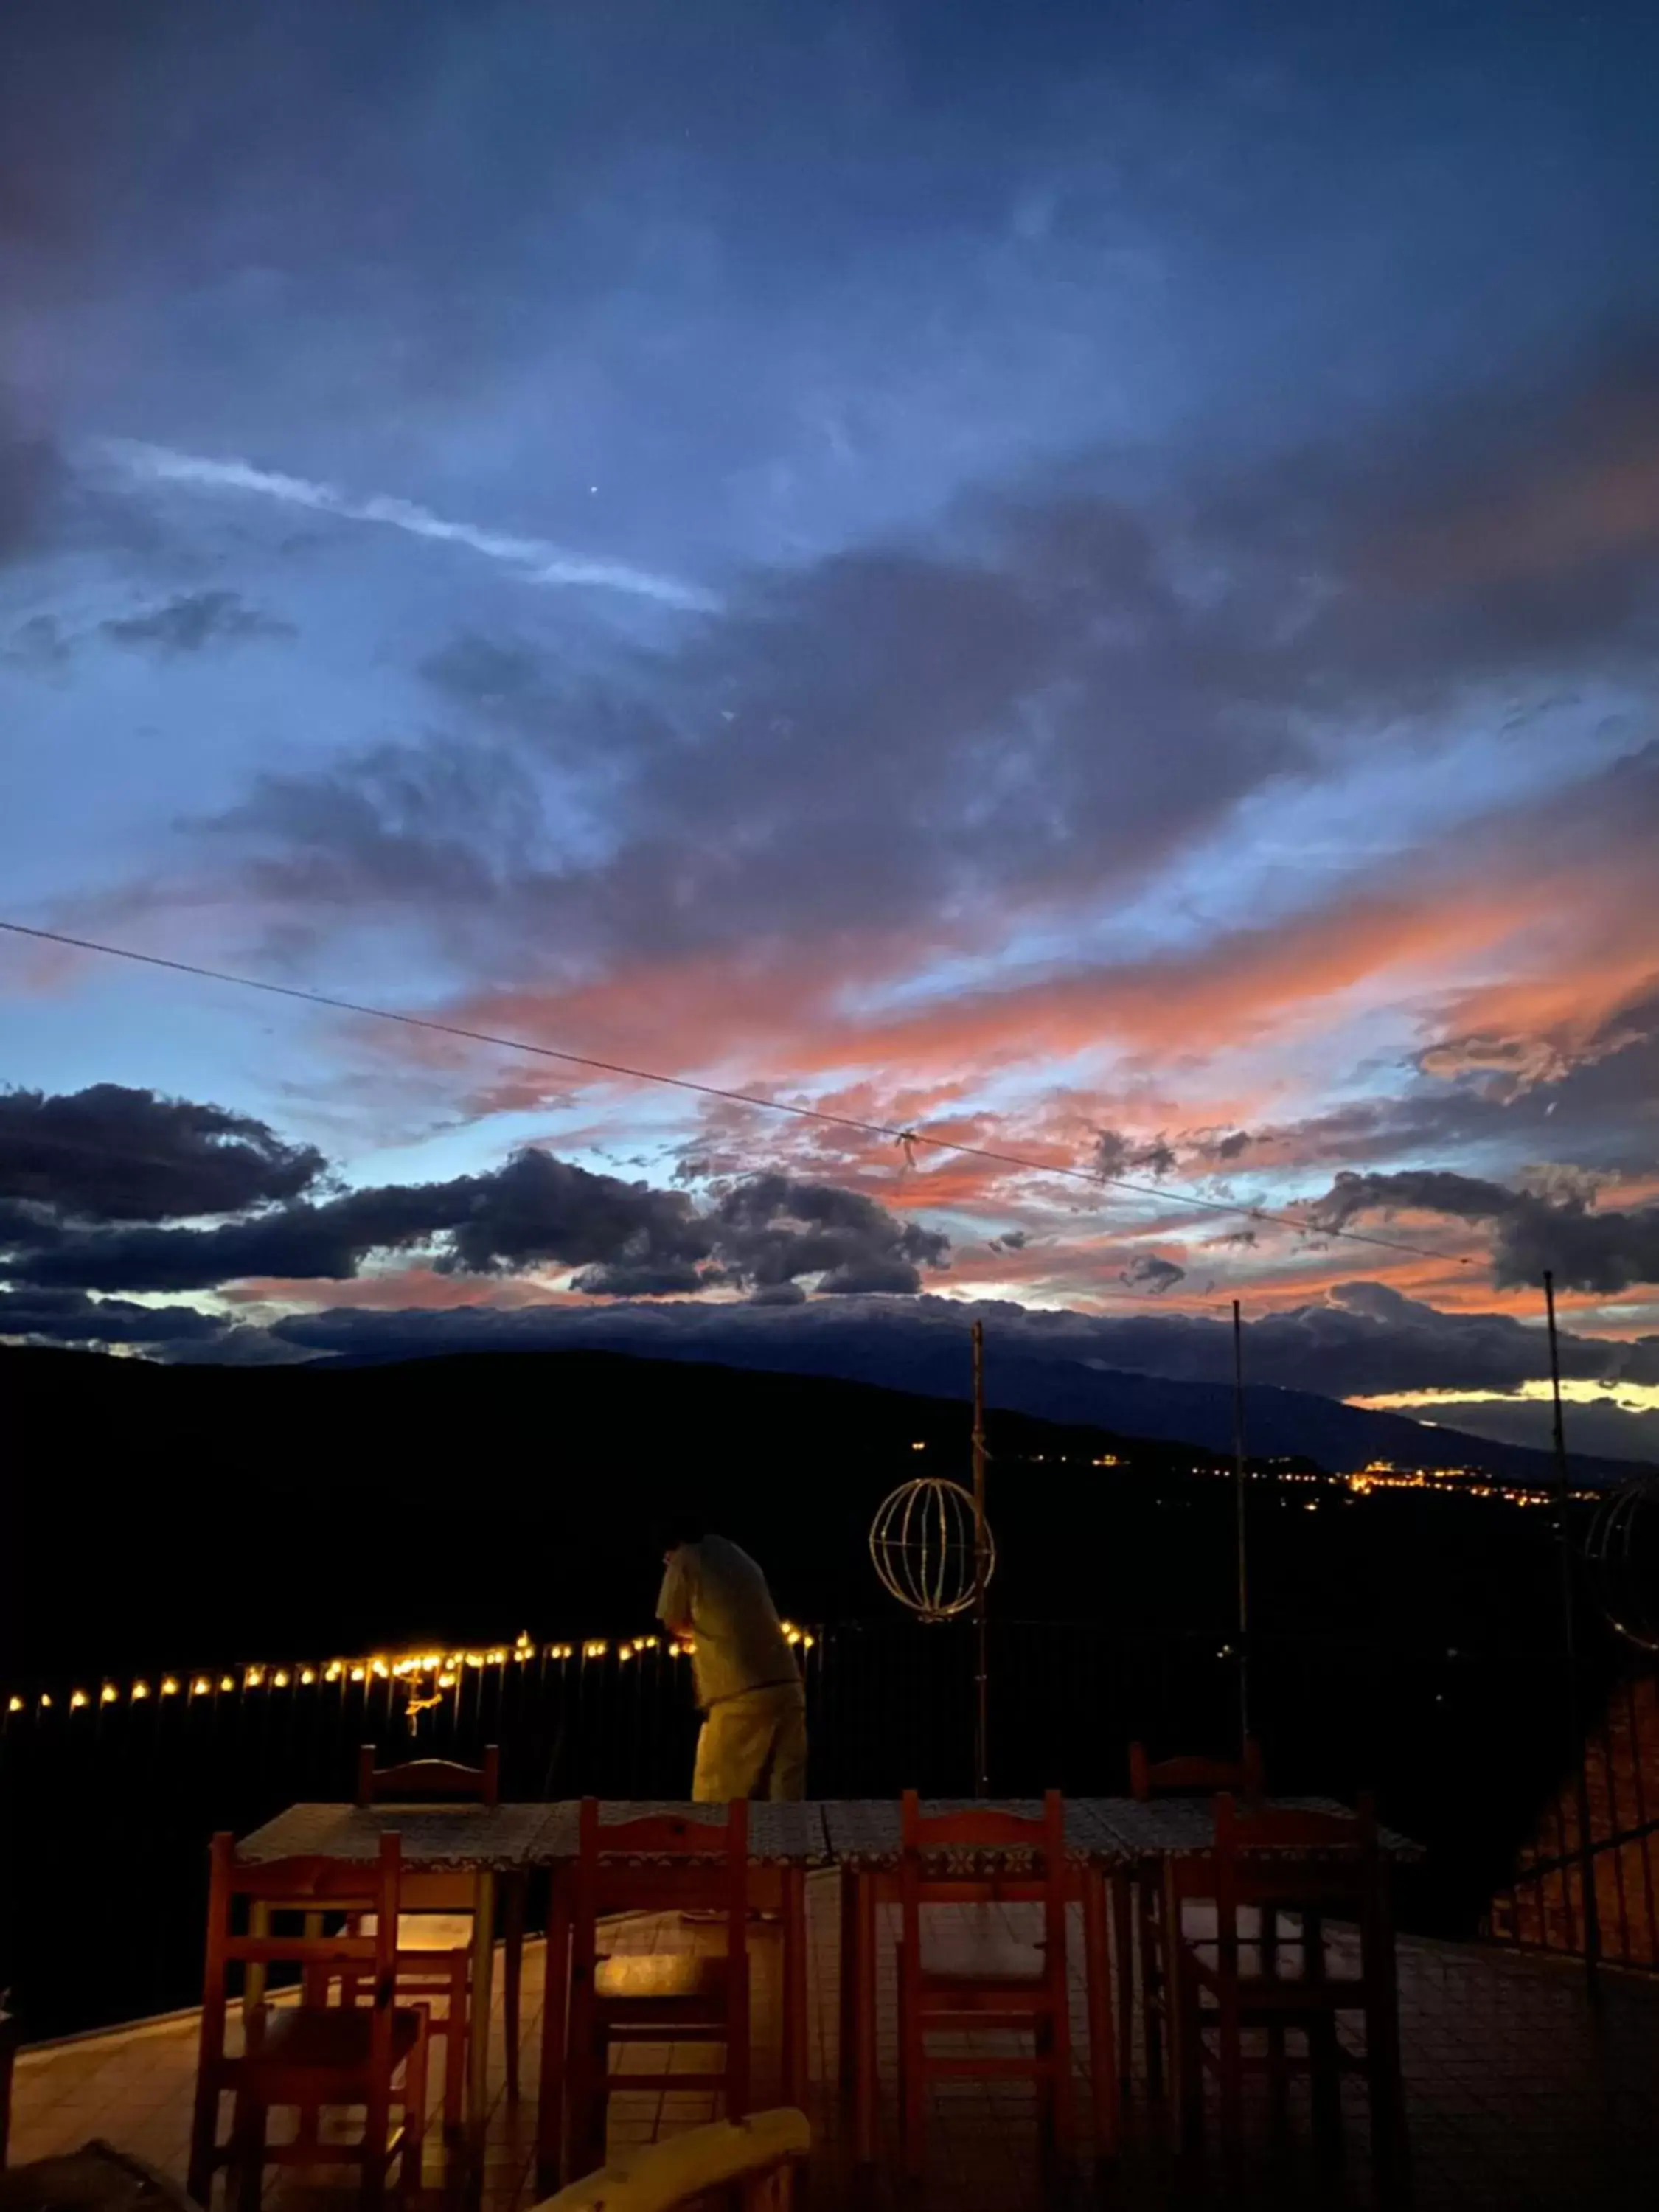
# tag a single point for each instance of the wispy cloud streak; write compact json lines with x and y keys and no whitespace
{"x":537,"y":560}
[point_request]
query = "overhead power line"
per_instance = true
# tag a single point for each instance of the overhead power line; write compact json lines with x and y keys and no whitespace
{"x":908,"y":1138}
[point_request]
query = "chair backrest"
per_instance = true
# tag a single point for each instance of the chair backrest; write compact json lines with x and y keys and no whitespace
{"x":1037,"y":1850}
{"x":315,"y":1890}
{"x":1197,"y":1777}
{"x":429,"y":1778}
{"x":1289,"y":1857}
{"x":751,"y":2156}
{"x":663,"y":1859}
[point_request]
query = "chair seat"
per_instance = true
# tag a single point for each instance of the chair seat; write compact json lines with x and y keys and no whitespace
{"x":326,"y":2039}
{"x":988,"y":1960}
{"x":427,"y":1932}
{"x":659,"y":1977}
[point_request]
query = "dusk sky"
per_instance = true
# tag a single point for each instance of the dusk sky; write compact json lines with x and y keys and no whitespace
{"x":1083,"y":579}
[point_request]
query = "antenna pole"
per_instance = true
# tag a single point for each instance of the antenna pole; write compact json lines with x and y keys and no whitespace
{"x":981,"y":1717}
{"x":1577,"y":1746}
{"x":1238,"y":1515}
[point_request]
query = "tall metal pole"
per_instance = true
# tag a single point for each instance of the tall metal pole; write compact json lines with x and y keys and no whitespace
{"x":981,"y":1717}
{"x":1238,"y":1517}
{"x":1577,"y":1746}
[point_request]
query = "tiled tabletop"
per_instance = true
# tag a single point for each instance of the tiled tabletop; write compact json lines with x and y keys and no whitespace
{"x":436,"y":1838}
{"x":509,"y":1838}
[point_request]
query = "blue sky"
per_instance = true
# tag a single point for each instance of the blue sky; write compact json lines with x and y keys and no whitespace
{"x":1024,"y":573}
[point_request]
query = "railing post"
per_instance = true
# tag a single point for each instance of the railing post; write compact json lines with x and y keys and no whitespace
{"x":1578,"y":1744}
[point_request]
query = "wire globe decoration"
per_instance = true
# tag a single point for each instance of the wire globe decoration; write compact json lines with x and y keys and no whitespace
{"x":922,"y":1543}
{"x":1621,"y":1551}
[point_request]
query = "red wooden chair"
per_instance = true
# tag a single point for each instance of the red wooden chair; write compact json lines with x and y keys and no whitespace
{"x":992,"y":1981}
{"x":435,"y":1929}
{"x":1304,"y":1865}
{"x":306,"y":2054}
{"x":1183,"y":1777}
{"x":660,"y":1863}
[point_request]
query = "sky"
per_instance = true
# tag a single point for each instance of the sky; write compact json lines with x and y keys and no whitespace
{"x":1084,"y":581}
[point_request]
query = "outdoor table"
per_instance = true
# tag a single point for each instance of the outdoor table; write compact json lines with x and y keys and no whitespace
{"x":785,"y":1842}
{"x":492,"y":1843}
{"x":866,"y":1842}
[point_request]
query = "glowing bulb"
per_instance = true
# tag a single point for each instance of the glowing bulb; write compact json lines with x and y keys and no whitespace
{"x":108,"y":1694}
{"x":15,"y":1706}
{"x":77,"y":1699}
{"x":227,"y":1682}
{"x":380,"y":1667}
{"x":46,"y":1701}
{"x":200,"y":1686}
{"x":140,"y":1690}
{"x":446,"y":1681}
{"x":357,"y":1675}
{"x":333,"y":1671}
{"x":253,"y":1677}
{"x":308,"y":1675}
{"x":169,"y":1687}
{"x":280,"y":1678}
{"x":808,"y":1642}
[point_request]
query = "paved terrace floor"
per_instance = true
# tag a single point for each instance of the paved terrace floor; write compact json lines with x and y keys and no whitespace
{"x":1520,"y":2097}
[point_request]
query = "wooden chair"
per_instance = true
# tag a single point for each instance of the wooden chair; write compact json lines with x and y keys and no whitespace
{"x":994,"y":1981}
{"x":1183,"y":1777}
{"x":306,"y":2055}
{"x":435,"y":1929}
{"x":1304,"y":1865}
{"x":749,"y":2164}
{"x":656,"y":1863}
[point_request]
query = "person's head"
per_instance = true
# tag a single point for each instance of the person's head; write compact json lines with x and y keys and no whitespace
{"x":680,"y":1524}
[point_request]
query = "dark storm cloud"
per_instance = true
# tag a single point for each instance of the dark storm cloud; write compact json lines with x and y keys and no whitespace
{"x":772,"y":1228}
{"x":112,"y":1153}
{"x":98,"y":1191}
{"x":71,"y":1317}
{"x":1586,"y":1249}
{"x":193,"y":620}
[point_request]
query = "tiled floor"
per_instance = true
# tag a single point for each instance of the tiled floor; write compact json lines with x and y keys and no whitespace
{"x":1521,"y":2099}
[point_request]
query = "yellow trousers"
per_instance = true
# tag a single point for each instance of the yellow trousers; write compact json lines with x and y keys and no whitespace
{"x":753,"y":1746}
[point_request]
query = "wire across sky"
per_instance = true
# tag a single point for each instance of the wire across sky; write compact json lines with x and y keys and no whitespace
{"x":907,"y":1139}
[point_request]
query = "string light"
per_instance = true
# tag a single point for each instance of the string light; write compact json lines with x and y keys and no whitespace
{"x":414,"y":1672}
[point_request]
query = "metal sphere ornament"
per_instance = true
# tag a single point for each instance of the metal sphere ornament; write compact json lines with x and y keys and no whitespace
{"x":1621,"y":1551}
{"x":922,"y":1543}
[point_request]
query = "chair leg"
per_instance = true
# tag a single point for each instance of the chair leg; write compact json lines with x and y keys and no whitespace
{"x":247,"y":2136}
{"x":912,"y":2089}
{"x":413,"y":2142}
{"x":511,"y":1976}
{"x":458,"y":2027}
{"x":1156,"y":1981}
{"x":847,"y":1989}
{"x":204,"y":2132}
{"x":377,"y":2125}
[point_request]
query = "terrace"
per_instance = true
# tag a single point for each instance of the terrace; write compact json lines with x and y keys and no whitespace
{"x":1519,"y":2094}
{"x":1527,"y":2082}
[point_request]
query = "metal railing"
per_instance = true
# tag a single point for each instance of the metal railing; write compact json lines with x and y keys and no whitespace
{"x":1615,"y":1864}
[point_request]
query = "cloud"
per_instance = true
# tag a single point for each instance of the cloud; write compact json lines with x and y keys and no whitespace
{"x":1147,"y":1272}
{"x":39,"y":1316}
{"x":192,"y":620}
{"x":533,"y":558}
{"x":1585,"y":1249}
{"x":112,"y":1153}
{"x":103,"y":1191}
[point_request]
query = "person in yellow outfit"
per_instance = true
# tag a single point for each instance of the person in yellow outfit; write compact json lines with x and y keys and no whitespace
{"x":713,"y":1597}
